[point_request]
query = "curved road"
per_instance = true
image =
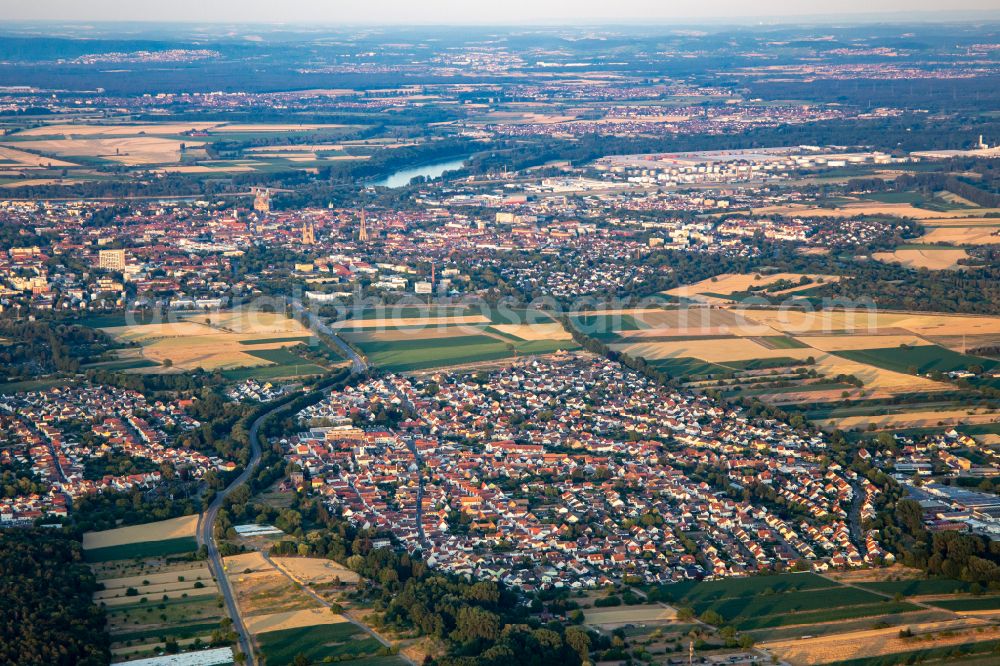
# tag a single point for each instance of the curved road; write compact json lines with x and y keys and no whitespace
{"x":206,"y":522}
{"x":358,"y":364}
{"x":206,"y":536}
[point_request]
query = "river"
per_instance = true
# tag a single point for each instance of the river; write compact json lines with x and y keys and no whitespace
{"x":433,"y":170}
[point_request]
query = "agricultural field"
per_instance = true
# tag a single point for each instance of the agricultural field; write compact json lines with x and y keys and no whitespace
{"x":656,"y":323}
{"x":882,"y":642}
{"x":801,"y":357}
{"x":721,"y":288}
{"x":167,"y":537}
{"x":933,"y":257}
{"x":153,"y":591}
{"x":910,"y":418}
{"x":222,"y":341}
{"x":959,"y":236}
{"x":810,"y":619}
{"x":168,"y":146}
{"x":285,"y":620}
{"x":429,"y":343}
{"x":754,"y":362}
{"x":921,"y":359}
{"x":340,"y":642}
{"x":863,"y":321}
{"x":263,"y":590}
{"x":315,"y":571}
{"x":643,"y":614}
{"x":875,"y":208}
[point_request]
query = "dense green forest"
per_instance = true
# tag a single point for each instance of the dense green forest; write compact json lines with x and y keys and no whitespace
{"x":34,"y":348}
{"x":46,"y":616}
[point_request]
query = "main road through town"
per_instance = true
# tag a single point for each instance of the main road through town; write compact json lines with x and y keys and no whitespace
{"x":206,"y":535}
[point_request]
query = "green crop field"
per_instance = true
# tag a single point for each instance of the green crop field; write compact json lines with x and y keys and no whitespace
{"x":783,"y":342}
{"x":142,"y":549}
{"x":763,"y":602}
{"x":912,"y":588}
{"x":787,"y":602}
{"x":692,"y":591}
{"x":175,"y":631}
{"x":829,"y":615}
{"x":317,"y":643}
{"x":504,"y":315}
{"x":420,"y":354}
{"x":389,"y":660}
{"x":604,"y":326}
{"x":30,"y":385}
{"x":922,"y":359}
{"x":968,"y":604}
{"x":763,"y":363}
{"x":286,"y":364}
{"x":686,"y":366}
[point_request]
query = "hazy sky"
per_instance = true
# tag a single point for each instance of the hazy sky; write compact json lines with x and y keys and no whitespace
{"x":456,"y":11}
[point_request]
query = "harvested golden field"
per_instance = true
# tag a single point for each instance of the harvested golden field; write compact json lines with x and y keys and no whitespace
{"x":313,"y":570}
{"x":203,"y":168}
{"x":173,"y":528}
{"x":264,"y":590}
{"x":936,"y":259}
{"x":716,"y":350}
{"x":28,"y":182}
{"x":251,"y":321}
{"x":955,"y":235}
{"x":411,"y":333}
{"x":24,"y":159}
{"x":876,"y":642}
{"x":723,"y":350}
{"x":878,"y":382}
{"x":213,"y":341}
{"x":729,"y":283}
{"x":128,"y":150}
{"x":963,"y":222}
{"x":541,"y":331}
{"x":114,"y":130}
{"x":873,"y":208}
{"x":311,"y":617}
{"x":630,"y":615}
{"x":660,"y":322}
{"x":849,"y":342}
{"x":872,"y":322}
{"x":254,"y":561}
{"x":922,"y":419}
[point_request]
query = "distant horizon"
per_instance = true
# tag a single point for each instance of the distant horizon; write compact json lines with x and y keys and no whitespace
{"x":449,"y":13}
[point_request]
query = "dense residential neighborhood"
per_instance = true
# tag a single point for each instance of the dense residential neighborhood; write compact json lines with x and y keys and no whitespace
{"x":574,"y":472}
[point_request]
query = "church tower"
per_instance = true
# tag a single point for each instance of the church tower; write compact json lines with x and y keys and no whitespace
{"x":363,"y":232}
{"x":308,"y":233}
